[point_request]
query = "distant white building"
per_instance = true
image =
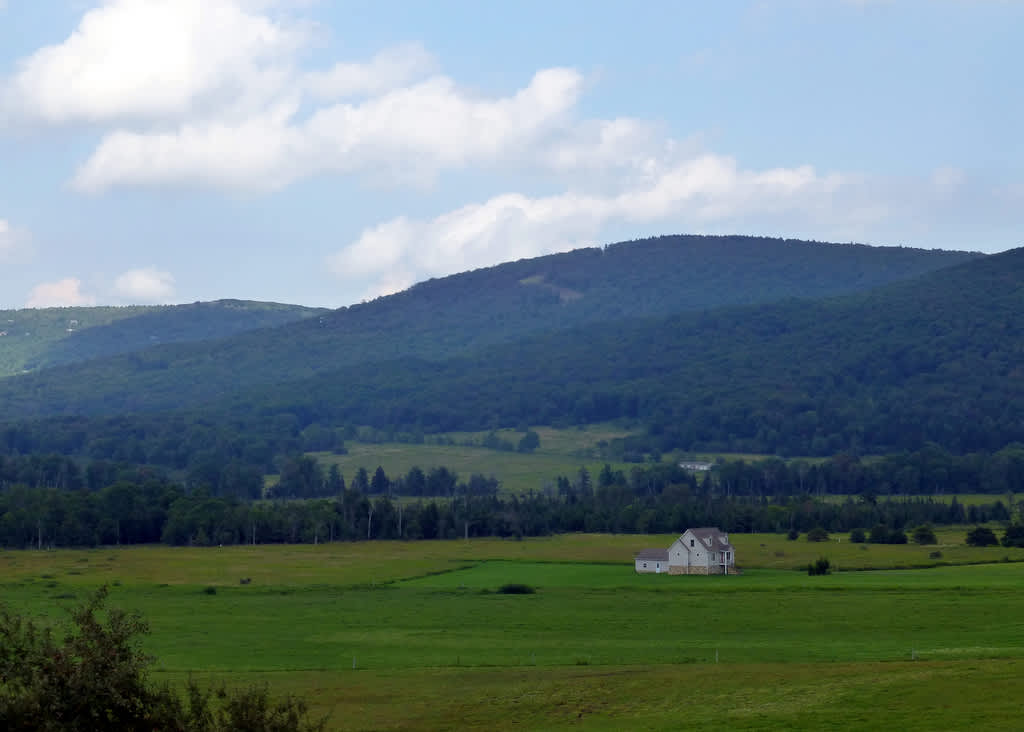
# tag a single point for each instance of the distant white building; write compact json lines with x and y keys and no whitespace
{"x":695,"y":465}
{"x":698,"y":551}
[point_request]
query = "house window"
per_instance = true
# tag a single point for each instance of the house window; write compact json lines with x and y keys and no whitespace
{"x":691,"y":542}
{"x":645,"y":565}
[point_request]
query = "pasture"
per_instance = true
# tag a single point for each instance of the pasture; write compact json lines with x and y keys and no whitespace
{"x":415,"y":635}
{"x":561,"y":452}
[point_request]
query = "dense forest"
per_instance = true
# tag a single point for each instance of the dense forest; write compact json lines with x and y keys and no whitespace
{"x":136,"y":505}
{"x":900,"y":367}
{"x":930,"y":360}
{"x":468,"y":314}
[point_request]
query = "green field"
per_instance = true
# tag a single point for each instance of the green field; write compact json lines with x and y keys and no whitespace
{"x":561,"y":452}
{"x":414,"y":635}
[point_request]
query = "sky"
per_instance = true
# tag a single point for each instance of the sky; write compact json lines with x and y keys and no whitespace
{"x":326,"y":153}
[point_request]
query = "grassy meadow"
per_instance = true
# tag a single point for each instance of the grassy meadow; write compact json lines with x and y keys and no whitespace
{"x":415,"y":635}
{"x":561,"y":452}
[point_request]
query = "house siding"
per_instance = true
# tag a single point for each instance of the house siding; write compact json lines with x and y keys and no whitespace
{"x":651,"y":566}
{"x":698,"y":559}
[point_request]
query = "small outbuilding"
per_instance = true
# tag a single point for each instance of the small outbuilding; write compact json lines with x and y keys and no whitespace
{"x":703,"y":550}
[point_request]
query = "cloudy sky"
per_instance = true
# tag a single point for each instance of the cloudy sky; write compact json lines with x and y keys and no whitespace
{"x":326,"y":152}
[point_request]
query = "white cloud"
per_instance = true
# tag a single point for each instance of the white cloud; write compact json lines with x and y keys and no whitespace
{"x":947,"y":179}
{"x":6,"y":236}
{"x":62,"y":293}
{"x":407,"y":134}
{"x":12,"y":240}
{"x":704,"y":192}
{"x":145,"y":285}
{"x":157,"y":61}
{"x":212,"y":93}
{"x":387,"y":70}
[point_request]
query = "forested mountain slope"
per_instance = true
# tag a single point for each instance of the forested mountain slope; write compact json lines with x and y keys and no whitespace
{"x":932,"y":360}
{"x":937,"y":359}
{"x":439,"y":319}
{"x":39,"y":338}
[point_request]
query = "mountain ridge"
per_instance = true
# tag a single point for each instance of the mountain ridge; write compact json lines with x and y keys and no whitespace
{"x":439,"y":318}
{"x":39,"y":338}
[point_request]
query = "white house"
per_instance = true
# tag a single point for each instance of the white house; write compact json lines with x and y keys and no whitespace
{"x":698,"y":551}
{"x":695,"y":465}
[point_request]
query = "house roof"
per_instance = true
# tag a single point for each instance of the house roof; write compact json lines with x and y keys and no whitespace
{"x":653,"y":555}
{"x":711,"y":537}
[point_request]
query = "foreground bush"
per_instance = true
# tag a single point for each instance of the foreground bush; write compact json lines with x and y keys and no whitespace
{"x":95,"y":678}
{"x":515,"y":588}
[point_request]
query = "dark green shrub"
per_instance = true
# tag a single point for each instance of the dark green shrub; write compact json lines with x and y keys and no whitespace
{"x":793,"y":535}
{"x":1014,"y":535}
{"x":820,"y":567}
{"x":879,"y":534}
{"x":981,"y":536}
{"x":817,"y":534}
{"x":857,"y":536}
{"x":924,"y":534}
{"x":516,"y":588}
{"x":209,"y":590}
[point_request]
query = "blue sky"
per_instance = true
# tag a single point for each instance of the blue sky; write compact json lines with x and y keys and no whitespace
{"x":329,"y":152}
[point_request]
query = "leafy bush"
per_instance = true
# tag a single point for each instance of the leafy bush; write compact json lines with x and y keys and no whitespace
{"x":857,"y":536}
{"x":1014,"y":535}
{"x":793,"y":535}
{"x":820,"y":567}
{"x":879,"y":534}
{"x":529,"y":442}
{"x":95,"y":677}
{"x":817,"y":534}
{"x":981,"y":536}
{"x":516,"y":588}
{"x":924,"y":534}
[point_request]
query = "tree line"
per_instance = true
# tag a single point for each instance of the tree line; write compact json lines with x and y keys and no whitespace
{"x":143,"y":506}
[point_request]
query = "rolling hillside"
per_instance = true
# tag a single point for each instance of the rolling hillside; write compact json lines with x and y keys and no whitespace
{"x":36,"y":339}
{"x":936,"y":359}
{"x":470,"y":313}
{"x":933,"y":360}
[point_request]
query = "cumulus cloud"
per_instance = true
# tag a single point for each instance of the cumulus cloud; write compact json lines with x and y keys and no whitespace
{"x":406,"y":134}
{"x":387,"y":70}
{"x":145,"y":285}
{"x":706,"y":191}
{"x":12,"y":240}
{"x":211,"y":92}
{"x":157,"y":61}
{"x":62,"y":293}
{"x":6,"y":237}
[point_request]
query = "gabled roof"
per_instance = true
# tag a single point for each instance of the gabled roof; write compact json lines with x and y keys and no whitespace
{"x":653,"y":555}
{"x":712,"y":538}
